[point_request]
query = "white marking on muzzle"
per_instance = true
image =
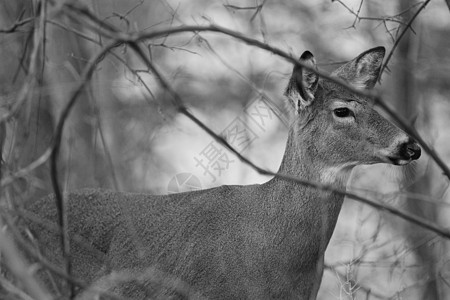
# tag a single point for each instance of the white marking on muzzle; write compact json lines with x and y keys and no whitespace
{"x":393,"y":150}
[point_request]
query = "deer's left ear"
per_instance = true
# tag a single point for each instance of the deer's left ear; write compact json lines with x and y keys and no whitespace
{"x":303,"y":83}
{"x":364,"y":70}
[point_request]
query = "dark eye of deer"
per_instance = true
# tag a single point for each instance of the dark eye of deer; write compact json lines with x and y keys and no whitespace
{"x":343,"y":112}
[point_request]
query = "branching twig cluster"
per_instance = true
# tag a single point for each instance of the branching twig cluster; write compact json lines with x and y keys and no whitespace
{"x":401,"y":29}
{"x":134,"y":40}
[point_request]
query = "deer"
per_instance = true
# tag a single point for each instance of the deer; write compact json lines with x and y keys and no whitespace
{"x":261,"y":241}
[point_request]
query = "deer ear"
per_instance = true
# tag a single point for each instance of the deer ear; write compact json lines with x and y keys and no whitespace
{"x":363,"y":71}
{"x":303,"y":83}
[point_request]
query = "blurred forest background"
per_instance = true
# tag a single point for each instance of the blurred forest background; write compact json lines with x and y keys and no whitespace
{"x":123,"y":132}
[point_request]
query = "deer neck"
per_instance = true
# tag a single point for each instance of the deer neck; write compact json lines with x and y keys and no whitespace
{"x":301,"y":159}
{"x":305,"y":210}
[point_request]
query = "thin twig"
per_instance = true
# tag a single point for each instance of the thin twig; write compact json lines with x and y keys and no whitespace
{"x":17,"y":265}
{"x":363,"y":288}
{"x":405,"y":29}
{"x":18,"y":23}
{"x":235,"y":7}
{"x":385,"y":19}
{"x":358,"y":12}
{"x":13,"y":290}
{"x":26,"y":170}
{"x":76,"y":32}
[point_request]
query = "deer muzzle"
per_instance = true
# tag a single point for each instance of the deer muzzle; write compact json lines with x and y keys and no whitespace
{"x":406,"y":152}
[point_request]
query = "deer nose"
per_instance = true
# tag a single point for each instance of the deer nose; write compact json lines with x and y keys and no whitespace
{"x":413,"y":150}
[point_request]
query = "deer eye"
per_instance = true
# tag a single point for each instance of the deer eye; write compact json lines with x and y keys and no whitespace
{"x":343,"y":112}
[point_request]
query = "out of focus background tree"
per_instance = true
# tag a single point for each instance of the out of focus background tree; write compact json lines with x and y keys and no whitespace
{"x":123,"y":132}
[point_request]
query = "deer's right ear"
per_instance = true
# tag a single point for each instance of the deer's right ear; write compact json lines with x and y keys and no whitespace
{"x":303,"y":83}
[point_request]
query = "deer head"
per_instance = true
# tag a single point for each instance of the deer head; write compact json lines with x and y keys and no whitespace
{"x":338,"y":128}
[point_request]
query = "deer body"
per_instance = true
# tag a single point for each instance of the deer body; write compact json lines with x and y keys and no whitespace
{"x":239,"y":254}
{"x":237,"y":242}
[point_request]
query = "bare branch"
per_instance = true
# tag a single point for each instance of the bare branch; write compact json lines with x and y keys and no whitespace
{"x":26,"y":170}
{"x":235,"y":7}
{"x":18,"y":23}
{"x":18,"y":267}
{"x":13,"y":290}
{"x":408,"y":26}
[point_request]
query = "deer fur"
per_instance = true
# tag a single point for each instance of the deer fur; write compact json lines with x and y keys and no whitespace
{"x":233,"y":242}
